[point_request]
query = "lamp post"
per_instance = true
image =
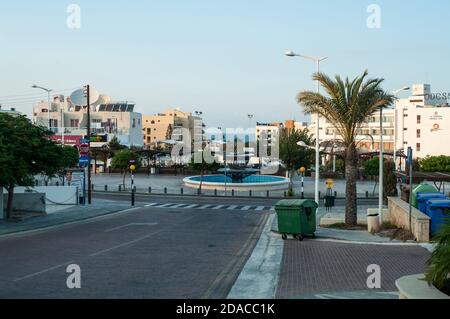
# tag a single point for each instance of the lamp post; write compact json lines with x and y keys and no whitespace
{"x":317,"y":60}
{"x":49,"y":105}
{"x":405,"y":88}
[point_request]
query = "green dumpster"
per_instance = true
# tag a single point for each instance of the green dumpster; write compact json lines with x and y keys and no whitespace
{"x":296,"y":218}
{"x":422,"y":188}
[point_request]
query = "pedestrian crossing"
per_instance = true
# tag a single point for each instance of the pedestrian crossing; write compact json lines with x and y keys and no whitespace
{"x":211,"y":207}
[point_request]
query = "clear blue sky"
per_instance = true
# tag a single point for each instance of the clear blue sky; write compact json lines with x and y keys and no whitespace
{"x":222,"y":57}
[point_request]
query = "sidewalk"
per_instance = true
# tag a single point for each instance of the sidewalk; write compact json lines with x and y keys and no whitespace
{"x":63,"y":215}
{"x":332,"y":266}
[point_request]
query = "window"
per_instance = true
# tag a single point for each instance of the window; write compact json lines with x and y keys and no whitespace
{"x":74,"y":123}
{"x":418,"y":147}
{"x":418,"y":133}
{"x":419,"y":119}
{"x":153,"y":122}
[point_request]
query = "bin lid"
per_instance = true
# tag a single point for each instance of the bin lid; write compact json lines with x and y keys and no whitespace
{"x":425,"y":196}
{"x":296,"y":203}
{"x":439,"y":203}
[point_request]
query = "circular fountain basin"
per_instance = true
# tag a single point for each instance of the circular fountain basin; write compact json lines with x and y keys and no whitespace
{"x":253,"y":183}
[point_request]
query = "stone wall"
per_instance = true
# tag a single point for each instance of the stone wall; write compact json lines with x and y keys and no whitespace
{"x":399,"y":216}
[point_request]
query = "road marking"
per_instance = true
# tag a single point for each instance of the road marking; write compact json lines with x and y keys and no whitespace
{"x":152,"y":204}
{"x":232,"y":207}
{"x":191,"y":206}
{"x":129,"y":225}
{"x":43,"y":271}
{"x":246,"y":208}
{"x":164,"y":205}
{"x":260,"y":208}
{"x":219,"y":207}
{"x":177,"y":206}
{"x":204,"y":206}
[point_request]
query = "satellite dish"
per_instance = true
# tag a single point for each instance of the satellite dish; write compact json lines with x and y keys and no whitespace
{"x":78,"y":97}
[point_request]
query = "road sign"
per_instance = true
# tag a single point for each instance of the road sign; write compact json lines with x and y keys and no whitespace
{"x":84,"y":161}
{"x":410,"y":155}
{"x":329,"y":183}
{"x":84,"y":150}
{"x":84,"y":141}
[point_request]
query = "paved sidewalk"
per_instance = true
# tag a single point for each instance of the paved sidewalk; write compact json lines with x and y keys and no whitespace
{"x":68,"y":215}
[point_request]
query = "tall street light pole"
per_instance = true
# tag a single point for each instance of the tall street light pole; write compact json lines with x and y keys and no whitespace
{"x":405,"y":88}
{"x":88,"y":131}
{"x":49,"y":105}
{"x":318,"y":61}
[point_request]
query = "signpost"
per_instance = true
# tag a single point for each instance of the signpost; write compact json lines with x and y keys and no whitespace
{"x":132,"y":170}
{"x":410,"y":163}
{"x":302,"y":172}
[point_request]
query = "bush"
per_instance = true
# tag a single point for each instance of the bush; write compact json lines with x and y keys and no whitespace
{"x":439,"y":264}
{"x":436,"y":164}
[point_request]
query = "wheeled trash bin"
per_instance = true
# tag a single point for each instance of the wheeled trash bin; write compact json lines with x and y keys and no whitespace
{"x":296,"y":218}
{"x":439,"y":212}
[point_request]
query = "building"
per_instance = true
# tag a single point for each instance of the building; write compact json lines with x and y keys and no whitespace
{"x":11,"y":111}
{"x":270,"y":130}
{"x":423,"y":123}
{"x":168,"y":125}
{"x":108,"y":120}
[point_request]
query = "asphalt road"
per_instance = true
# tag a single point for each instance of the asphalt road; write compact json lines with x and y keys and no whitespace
{"x":143,"y":253}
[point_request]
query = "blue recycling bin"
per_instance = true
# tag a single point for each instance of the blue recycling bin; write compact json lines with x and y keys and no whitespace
{"x":423,"y":198}
{"x":439,"y":212}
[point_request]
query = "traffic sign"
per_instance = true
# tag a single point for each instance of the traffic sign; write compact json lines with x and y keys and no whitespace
{"x":84,"y":161}
{"x":84,"y":150}
{"x":410,"y":155}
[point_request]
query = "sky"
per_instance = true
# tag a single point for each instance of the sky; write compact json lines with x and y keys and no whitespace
{"x":224,"y":58}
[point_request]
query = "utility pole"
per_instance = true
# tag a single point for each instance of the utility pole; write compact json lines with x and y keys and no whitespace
{"x":88,"y":99}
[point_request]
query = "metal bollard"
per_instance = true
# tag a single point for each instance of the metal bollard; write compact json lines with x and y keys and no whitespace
{"x":367,"y":194}
{"x":57,"y":183}
{"x":120,"y":188}
{"x":335,"y":194}
{"x":165,"y":190}
{"x":250,"y":193}
{"x":285,"y":194}
{"x":182,"y":191}
{"x":149,"y":190}
{"x":199,"y":192}
{"x":268,"y":194}
{"x":232,"y":193}
{"x":215,"y":192}
{"x":106,"y":188}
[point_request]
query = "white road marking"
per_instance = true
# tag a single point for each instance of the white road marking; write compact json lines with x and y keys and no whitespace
{"x":204,"y":206}
{"x":131,"y":224}
{"x":152,"y":204}
{"x":246,"y":208}
{"x":218,"y":207}
{"x":232,"y":207}
{"x":177,"y":206}
{"x":43,"y":271}
{"x":260,"y":208}
{"x":164,"y":205}
{"x":191,"y":206}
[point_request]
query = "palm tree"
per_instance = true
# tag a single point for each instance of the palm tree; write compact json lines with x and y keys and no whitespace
{"x":347,"y":106}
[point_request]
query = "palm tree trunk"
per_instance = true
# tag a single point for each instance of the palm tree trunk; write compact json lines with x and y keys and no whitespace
{"x":351,"y":208}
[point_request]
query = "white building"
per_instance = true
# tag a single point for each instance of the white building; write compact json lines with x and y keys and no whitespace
{"x":11,"y":111}
{"x":421,"y":121}
{"x":271,"y":131}
{"x":108,"y":120}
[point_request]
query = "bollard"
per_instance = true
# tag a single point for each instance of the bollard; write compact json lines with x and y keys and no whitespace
{"x":335,"y":194}
{"x":149,"y":190}
{"x":367,"y":194}
{"x":250,"y":193}
{"x":46,"y":183}
{"x":320,"y":195}
{"x":285,"y":194}
{"x":181,"y":191}
{"x":106,"y":188}
{"x":120,"y":188}
{"x":268,"y":194}
{"x":57,"y":183}
{"x":165,"y":190}
{"x":215,"y":192}
{"x":199,"y":192}
{"x":232,"y":193}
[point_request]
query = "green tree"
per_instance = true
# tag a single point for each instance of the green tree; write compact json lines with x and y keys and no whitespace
{"x":121,"y":160}
{"x":389,"y":181}
{"x":200,"y":163}
{"x":439,"y":265}
{"x":294,"y":156}
{"x":115,"y":146}
{"x":69,"y":157}
{"x":26,"y":150}
{"x":347,"y":105}
{"x":433,"y":164}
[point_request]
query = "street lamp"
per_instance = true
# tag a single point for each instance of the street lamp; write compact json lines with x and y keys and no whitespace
{"x":381,"y":177}
{"x":49,"y":106}
{"x":405,"y":88}
{"x":317,"y":60}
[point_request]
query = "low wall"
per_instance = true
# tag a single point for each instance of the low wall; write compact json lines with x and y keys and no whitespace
{"x":399,"y":216}
{"x":27,"y":202}
{"x":59,"y":195}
